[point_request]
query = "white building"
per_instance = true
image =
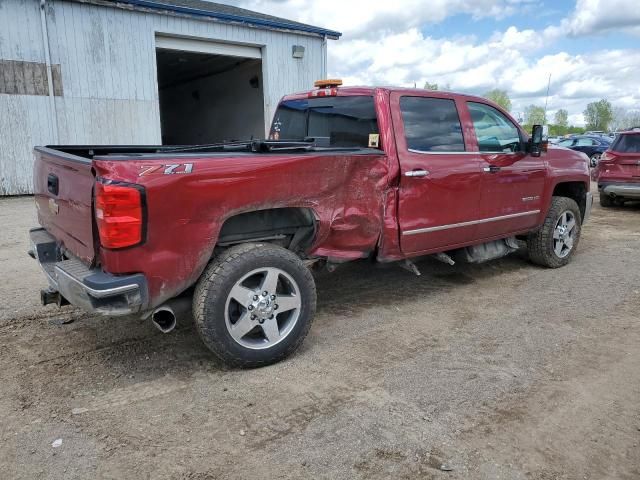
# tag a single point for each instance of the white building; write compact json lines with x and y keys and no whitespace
{"x":143,"y":72}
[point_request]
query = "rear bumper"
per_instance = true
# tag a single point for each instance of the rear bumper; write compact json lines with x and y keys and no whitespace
{"x":88,"y":288}
{"x":624,"y":190}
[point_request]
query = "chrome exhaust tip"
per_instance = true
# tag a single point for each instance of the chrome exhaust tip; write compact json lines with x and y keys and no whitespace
{"x":164,"y":318}
{"x":166,"y":315}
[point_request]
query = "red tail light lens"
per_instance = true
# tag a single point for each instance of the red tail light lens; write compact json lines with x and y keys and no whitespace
{"x":119,"y":215}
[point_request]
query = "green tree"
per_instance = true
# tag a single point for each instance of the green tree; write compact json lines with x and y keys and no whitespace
{"x":576,"y":130}
{"x":430,"y":86}
{"x":562,"y":118}
{"x":501,"y":97}
{"x":534,"y":115}
{"x":598,"y":115}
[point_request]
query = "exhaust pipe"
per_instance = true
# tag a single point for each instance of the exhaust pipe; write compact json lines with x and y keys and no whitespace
{"x":165,"y":316}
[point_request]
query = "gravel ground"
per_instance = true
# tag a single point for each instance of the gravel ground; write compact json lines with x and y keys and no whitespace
{"x":502,"y":370}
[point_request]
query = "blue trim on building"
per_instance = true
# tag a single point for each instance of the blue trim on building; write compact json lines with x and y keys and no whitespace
{"x":262,"y":22}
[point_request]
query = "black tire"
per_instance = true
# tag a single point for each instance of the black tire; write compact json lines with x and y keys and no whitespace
{"x":540,"y":243}
{"x":214,"y":287}
{"x":605,"y":200}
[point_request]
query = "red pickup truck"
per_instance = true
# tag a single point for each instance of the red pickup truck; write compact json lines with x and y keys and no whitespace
{"x":347,"y":173}
{"x":618,"y":171}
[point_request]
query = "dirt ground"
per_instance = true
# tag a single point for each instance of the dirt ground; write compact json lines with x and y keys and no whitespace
{"x":503,"y":370}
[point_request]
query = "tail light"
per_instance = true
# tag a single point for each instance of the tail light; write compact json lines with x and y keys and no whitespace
{"x":119,"y":215}
{"x":606,"y":156}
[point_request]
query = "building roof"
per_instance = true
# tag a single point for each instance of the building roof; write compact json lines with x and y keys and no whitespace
{"x":228,"y":13}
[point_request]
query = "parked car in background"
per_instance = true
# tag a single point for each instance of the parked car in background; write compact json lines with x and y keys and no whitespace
{"x":554,"y":140}
{"x":618,"y":172}
{"x":591,"y":145}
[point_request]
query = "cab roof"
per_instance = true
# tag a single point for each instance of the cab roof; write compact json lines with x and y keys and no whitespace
{"x":368,"y":90}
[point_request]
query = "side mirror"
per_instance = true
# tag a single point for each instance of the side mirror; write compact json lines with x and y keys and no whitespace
{"x":537,"y":140}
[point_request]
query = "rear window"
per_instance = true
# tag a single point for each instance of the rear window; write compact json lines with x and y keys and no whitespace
{"x":334,"y":121}
{"x":627,"y":143}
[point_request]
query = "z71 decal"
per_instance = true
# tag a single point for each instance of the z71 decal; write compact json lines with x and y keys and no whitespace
{"x":168,"y":169}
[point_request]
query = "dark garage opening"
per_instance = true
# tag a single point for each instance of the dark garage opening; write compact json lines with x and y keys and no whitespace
{"x":206,"y":98}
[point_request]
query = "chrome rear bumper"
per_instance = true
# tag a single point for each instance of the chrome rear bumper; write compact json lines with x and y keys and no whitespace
{"x":624,"y":190}
{"x":88,"y":288}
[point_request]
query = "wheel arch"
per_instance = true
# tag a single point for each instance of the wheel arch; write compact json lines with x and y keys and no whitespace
{"x":575,"y":190}
{"x":291,"y":227}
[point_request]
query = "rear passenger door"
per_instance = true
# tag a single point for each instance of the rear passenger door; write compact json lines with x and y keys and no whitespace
{"x":440,"y":183}
{"x":512,"y":180}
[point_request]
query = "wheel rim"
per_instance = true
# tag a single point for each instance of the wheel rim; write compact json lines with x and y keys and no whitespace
{"x":564,"y":235}
{"x":262,"y":308}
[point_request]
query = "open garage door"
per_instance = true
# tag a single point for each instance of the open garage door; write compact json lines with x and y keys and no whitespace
{"x":209,"y":92}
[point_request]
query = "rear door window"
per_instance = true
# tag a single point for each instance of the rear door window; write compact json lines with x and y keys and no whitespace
{"x":333,"y":121}
{"x":586,"y":142}
{"x":627,"y":143}
{"x":431,"y":125}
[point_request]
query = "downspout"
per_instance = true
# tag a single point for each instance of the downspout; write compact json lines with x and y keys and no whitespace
{"x":324,"y":56}
{"x":49,"y":72}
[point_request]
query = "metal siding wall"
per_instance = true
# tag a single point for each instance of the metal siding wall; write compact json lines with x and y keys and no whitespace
{"x":24,"y":119}
{"x":108,"y":62}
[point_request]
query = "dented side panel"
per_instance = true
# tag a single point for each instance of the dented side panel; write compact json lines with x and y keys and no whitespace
{"x":188,"y":205}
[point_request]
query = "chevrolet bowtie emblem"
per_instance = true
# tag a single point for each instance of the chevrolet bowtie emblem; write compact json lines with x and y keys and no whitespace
{"x":53,"y":206}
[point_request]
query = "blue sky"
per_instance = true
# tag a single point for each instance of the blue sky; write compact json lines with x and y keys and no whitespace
{"x":590,"y":47}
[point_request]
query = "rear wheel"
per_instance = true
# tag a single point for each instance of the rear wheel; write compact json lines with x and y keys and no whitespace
{"x":254,"y":304}
{"x":555,"y":242}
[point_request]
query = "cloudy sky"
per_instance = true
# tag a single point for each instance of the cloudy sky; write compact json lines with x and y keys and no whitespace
{"x":591,"y":48}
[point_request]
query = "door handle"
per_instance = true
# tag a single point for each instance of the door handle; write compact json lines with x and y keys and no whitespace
{"x":417,"y":173}
{"x":491,"y":169}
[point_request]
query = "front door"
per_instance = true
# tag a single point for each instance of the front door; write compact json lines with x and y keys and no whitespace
{"x":440,"y":184}
{"x":512,"y":180}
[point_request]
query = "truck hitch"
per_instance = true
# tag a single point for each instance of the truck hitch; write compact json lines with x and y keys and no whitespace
{"x":49,"y":296}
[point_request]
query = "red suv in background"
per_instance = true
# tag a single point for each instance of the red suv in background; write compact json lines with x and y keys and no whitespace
{"x":618,"y":172}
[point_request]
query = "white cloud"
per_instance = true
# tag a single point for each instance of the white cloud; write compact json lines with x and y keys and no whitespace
{"x":385,"y":43}
{"x":600,"y":16}
{"x":369,"y":18}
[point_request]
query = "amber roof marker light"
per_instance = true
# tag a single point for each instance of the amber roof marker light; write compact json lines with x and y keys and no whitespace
{"x":326,"y":88}
{"x":328,"y":83}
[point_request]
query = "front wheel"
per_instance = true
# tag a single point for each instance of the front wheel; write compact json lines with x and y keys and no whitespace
{"x":556,"y":241}
{"x":254,"y":304}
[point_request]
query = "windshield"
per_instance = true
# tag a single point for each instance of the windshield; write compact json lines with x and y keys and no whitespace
{"x":332,"y":121}
{"x":627,"y":143}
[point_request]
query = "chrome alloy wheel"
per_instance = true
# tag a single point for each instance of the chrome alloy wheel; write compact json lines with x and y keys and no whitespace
{"x":564,"y":234}
{"x":262,"y":308}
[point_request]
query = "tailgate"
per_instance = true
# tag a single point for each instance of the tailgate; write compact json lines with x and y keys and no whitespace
{"x":630,"y":165}
{"x":63,"y":188}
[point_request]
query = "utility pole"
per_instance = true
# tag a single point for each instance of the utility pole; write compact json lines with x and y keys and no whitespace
{"x":546,"y":100}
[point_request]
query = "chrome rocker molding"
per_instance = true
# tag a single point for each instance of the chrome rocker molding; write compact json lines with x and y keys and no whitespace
{"x":468,"y":224}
